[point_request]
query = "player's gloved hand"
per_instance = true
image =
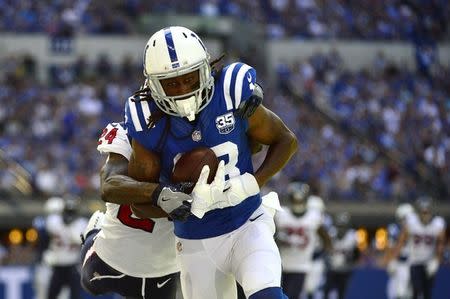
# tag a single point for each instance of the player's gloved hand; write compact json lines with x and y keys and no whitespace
{"x":173,"y":200}
{"x":432,"y":266}
{"x":248,"y":107}
{"x":237,"y":189}
{"x":204,"y":195}
{"x":218,"y":194}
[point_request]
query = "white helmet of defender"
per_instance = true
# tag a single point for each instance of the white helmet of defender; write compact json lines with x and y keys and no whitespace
{"x":172,"y":52}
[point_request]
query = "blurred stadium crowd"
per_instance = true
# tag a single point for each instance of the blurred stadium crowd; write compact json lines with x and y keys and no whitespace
{"x":396,"y":112}
{"x":402,"y":116}
{"x":361,"y":19}
{"x":384,"y":130}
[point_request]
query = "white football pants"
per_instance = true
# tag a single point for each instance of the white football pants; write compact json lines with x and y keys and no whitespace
{"x":398,"y":284}
{"x":314,"y":276}
{"x":210,"y":267}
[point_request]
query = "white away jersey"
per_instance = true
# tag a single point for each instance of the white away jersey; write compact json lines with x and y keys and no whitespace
{"x":297,"y":236}
{"x":65,"y":241}
{"x":423,"y":237}
{"x":136,"y":247}
{"x":114,"y":139}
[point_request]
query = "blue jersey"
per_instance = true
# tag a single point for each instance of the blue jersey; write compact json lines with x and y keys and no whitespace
{"x":216,"y":127}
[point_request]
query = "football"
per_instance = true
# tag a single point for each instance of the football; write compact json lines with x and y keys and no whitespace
{"x":190,"y":164}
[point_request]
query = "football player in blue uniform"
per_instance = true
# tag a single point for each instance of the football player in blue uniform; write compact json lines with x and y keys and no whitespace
{"x":223,"y":233}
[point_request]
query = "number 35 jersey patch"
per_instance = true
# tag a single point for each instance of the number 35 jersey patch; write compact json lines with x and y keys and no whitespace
{"x":215,"y":127}
{"x":136,"y":247}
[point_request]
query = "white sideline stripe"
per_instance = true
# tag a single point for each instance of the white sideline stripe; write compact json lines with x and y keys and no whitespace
{"x":227,"y":86}
{"x":239,"y":82}
{"x":134,"y":116}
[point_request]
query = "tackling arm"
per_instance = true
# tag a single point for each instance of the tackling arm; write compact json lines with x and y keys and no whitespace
{"x":267,"y":128}
{"x":117,"y":187}
{"x":394,"y":252}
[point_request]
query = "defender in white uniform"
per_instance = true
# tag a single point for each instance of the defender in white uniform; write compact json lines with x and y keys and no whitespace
{"x":42,"y":271}
{"x":398,"y":286}
{"x":123,"y":253}
{"x":427,"y":236}
{"x":63,"y":252}
{"x":298,"y":231}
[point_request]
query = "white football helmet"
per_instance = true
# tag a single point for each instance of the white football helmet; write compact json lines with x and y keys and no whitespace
{"x":172,"y":52}
{"x":315,"y":203}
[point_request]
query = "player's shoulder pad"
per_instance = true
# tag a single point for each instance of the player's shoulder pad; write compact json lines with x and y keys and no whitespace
{"x":280,"y":216}
{"x":137,"y":115}
{"x":114,"y":139}
{"x":238,"y":82}
{"x":439,"y":222}
{"x":411,"y":219}
{"x":314,"y":217}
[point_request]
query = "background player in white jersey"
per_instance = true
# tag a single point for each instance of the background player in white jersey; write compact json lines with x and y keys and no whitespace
{"x":42,"y":271}
{"x":427,"y":235}
{"x":63,"y":253}
{"x":398,"y":269}
{"x":122,"y":253}
{"x":315,"y":275}
{"x":297,"y":231}
{"x":342,"y":258}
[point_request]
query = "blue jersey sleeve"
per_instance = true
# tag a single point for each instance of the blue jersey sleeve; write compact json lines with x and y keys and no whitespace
{"x":136,"y":116}
{"x":238,"y":84}
{"x":137,"y":119}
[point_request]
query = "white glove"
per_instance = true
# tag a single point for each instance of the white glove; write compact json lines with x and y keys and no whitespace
{"x":238,"y":189}
{"x":432,"y":267}
{"x":207,"y":197}
{"x":204,"y":194}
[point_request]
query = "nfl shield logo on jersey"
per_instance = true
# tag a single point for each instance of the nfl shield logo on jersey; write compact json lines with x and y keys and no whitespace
{"x":196,"y":135}
{"x":225,"y":123}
